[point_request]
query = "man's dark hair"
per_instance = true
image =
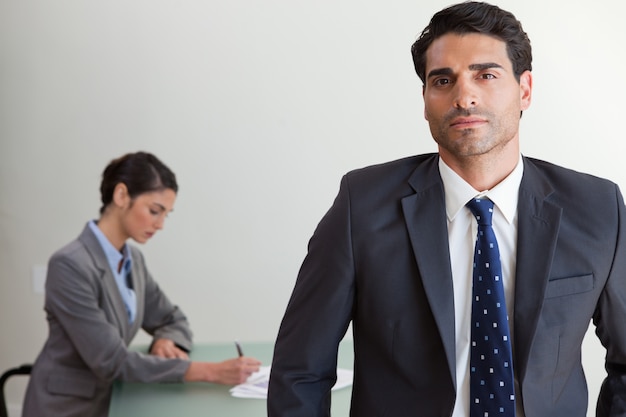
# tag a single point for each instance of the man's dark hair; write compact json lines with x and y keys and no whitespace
{"x":476,"y":17}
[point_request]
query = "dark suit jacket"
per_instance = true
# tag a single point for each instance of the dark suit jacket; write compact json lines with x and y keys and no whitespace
{"x":380,"y":259}
{"x":89,"y":333}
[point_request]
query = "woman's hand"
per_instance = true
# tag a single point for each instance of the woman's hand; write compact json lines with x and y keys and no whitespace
{"x":165,"y":348}
{"x":229,"y":372}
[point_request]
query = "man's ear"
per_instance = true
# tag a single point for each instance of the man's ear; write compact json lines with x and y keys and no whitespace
{"x":526,"y":89}
{"x":424,"y":92}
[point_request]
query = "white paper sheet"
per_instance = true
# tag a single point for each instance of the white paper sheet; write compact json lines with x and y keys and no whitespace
{"x":256,"y":385}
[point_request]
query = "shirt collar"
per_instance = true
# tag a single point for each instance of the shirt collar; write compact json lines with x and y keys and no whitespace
{"x":458,"y":192}
{"x":112,"y":254}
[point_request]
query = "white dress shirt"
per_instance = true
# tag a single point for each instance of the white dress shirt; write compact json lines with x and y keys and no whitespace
{"x":462,"y":230}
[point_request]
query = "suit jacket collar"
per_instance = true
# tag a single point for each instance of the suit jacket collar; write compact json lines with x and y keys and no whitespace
{"x":538,"y":224}
{"x":425,"y":216}
{"x":110,"y":289}
{"x":93,"y":247}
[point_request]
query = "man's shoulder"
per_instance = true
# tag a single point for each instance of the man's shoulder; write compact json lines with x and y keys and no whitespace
{"x":408,"y":163}
{"x":399,"y":170}
{"x":391,"y":180}
{"x":559,"y":174}
{"x":565,"y":186}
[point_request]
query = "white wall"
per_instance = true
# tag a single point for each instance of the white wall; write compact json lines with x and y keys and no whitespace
{"x":259,"y":107}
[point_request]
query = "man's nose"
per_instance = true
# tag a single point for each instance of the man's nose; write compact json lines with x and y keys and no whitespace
{"x":465,"y":94}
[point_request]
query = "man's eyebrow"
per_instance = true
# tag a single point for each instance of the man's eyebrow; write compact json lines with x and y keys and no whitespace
{"x":473,"y":67}
{"x":486,"y":65}
{"x":440,"y":71}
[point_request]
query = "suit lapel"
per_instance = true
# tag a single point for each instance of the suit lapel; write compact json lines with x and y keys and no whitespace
{"x":109,"y":286}
{"x":538,"y":225}
{"x":425,"y":217}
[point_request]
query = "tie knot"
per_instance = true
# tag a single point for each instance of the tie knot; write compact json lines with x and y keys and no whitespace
{"x":482,"y":209}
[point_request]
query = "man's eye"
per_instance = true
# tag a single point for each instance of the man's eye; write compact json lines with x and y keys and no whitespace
{"x":442,"y":81}
{"x":487,"y":76}
{"x":154,"y":212}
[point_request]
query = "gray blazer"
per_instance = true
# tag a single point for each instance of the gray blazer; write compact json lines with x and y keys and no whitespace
{"x":380,"y":259}
{"x":86,"y":349}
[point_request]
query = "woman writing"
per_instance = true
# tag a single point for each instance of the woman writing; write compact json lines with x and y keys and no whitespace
{"x":99,"y":293}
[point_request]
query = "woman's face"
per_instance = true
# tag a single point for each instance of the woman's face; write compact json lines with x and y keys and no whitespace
{"x":145,"y":214}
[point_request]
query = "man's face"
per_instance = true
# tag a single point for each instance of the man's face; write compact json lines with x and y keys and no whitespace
{"x":472,"y":100}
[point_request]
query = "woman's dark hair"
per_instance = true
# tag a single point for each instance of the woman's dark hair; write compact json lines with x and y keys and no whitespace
{"x":141,"y":172}
{"x":476,"y":17}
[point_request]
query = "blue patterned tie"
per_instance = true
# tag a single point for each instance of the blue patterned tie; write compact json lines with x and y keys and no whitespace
{"x":492,"y":391}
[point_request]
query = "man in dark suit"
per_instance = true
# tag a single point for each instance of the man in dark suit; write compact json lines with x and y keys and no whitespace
{"x":394,"y":253}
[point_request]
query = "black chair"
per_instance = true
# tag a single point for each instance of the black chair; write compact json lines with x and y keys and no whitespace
{"x":20,"y":370}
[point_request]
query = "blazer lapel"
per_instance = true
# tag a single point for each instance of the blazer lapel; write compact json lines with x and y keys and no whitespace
{"x":109,"y":286}
{"x":425,"y":217}
{"x":538,"y":225}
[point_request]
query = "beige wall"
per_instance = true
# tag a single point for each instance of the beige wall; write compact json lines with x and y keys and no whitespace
{"x":259,"y":107}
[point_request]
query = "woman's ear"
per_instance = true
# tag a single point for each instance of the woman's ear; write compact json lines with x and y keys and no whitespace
{"x":120,"y":195}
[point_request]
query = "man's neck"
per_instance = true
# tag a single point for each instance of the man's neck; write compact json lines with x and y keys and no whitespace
{"x":483,"y":172}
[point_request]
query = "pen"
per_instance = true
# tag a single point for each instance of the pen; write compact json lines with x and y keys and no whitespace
{"x":238,"y":346}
